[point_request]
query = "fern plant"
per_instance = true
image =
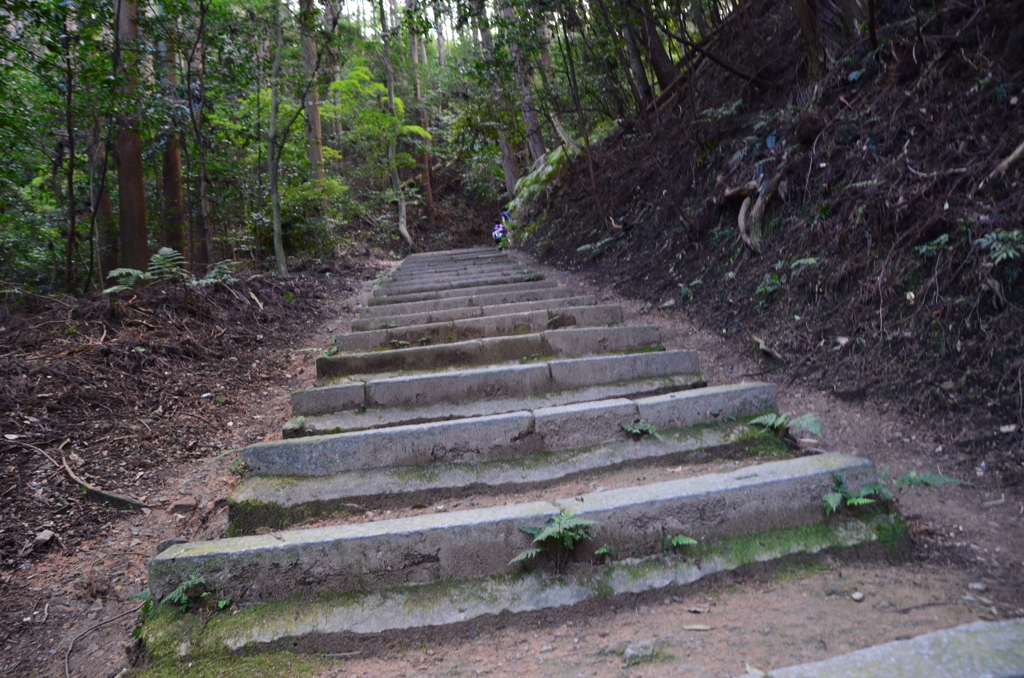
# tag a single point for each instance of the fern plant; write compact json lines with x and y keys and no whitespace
{"x":878,"y":491}
{"x":783,"y":427}
{"x":187,"y":594}
{"x":165,"y":265}
{"x":560,"y":536}
{"x":1002,"y":245}
{"x":640,"y":429}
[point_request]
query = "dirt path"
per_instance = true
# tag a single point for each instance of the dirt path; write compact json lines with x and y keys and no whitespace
{"x":966,"y":562}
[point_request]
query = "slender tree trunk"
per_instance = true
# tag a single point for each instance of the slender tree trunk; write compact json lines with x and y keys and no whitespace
{"x":534,"y":139}
{"x":421,"y":118}
{"x":508,"y":166}
{"x":128,"y":149}
{"x":172,"y":212}
{"x":807,"y":17}
{"x":314,"y":133}
{"x":103,"y":211}
{"x":439,"y":29}
{"x":272,"y":151}
{"x":544,"y":36}
{"x":664,"y":67}
{"x":403,"y":228}
{"x":69,"y":87}
{"x":643,"y":93}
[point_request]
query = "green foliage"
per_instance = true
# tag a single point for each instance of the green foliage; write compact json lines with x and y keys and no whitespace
{"x":1002,"y":245}
{"x":678,"y":542}
{"x":777,"y":423}
{"x":934,"y":248}
{"x":559,"y":536}
{"x":806,"y":262}
{"x":164,"y":266}
{"x":640,"y":429}
{"x":187,"y":594}
{"x":769,"y":286}
{"x":878,"y":491}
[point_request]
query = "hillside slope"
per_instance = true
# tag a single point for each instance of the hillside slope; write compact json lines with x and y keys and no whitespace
{"x":890,"y":262}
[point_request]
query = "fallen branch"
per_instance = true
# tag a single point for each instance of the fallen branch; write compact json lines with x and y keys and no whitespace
{"x":67,"y":669}
{"x":92,"y":491}
{"x":1007,"y":162}
{"x":757,"y":213}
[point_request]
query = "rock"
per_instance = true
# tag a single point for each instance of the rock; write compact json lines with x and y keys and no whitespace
{"x":974,"y":586}
{"x":46,"y":536}
{"x":168,"y":543}
{"x":184,"y":505}
{"x":857,"y":596}
{"x":638,"y":652}
{"x":884,"y":605}
{"x":547,"y":648}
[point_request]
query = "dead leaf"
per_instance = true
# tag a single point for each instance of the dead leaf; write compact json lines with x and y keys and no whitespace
{"x":767,"y":350}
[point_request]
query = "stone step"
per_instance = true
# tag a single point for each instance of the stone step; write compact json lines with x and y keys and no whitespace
{"x":471,"y":388}
{"x":503,"y":436}
{"x":439,"y":611}
{"x":489,"y":299}
{"x":526,"y":322}
{"x":484,"y":288}
{"x":564,"y":342}
{"x":430,"y":317}
{"x":277,"y":502}
{"x":441,"y":284}
{"x":360,"y":419}
{"x":479,"y":543}
{"x":455,"y":254}
{"x":977,"y":650}
{"x":455,"y":271}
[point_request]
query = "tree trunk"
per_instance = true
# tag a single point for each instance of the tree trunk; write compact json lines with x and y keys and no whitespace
{"x":421,"y":117}
{"x":403,"y":228}
{"x":643,"y":93}
{"x":439,"y":29}
{"x":172,"y":208}
{"x":314,"y":133}
{"x":128,"y":150}
{"x":807,"y":16}
{"x":534,"y":139}
{"x":69,"y":121}
{"x":272,"y":153}
{"x":102,"y":210}
{"x":508,"y":166}
{"x":664,"y":68}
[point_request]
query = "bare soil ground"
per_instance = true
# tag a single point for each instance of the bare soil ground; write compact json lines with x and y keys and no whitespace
{"x":767,"y":616}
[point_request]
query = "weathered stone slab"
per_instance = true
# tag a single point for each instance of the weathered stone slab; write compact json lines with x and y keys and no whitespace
{"x":499,"y":436}
{"x":355,"y":419}
{"x":576,"y":341}
{"x":681,"y":409}
{"x":446,"y":332}
{"x":584,"y":316}
{"x":490,"y":299}
{"x":277,"y":502}
{"x":464,"y":386}
{"x":581,"y":424}
{"x":978,"y":650}
{"x":438,"y":283}
{"x":480,"y":542}
{"x":578,"y":372}
{"x":581,"y":341}
{"x":496,"y":288}
{"x":389,"y":322}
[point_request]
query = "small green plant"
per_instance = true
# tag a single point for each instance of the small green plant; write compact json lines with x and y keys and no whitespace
{"x":783,"y":427}
{"x":806,"y":262}
{"x":677,"y":543}
{"x":532,"y":358}
{"x":166,"y":264}
{"x":187,"y":594}
{"x":559,"y":537}
{"x":145,"y":612}
{"x":640,"y":429}
{"x":1002,"y":245}
{"x":224,"y":604}
{"x":770,"y":285}
{"x":932,"y":249}
{"x":398,"y":343}
{"x":878,"y":491}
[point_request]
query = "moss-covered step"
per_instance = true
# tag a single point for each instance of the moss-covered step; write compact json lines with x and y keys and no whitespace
{"x":334,"y":622}
{"x":489,"y":299}
{"x":631,"y":522}
{"x":464,"y":387}
{"x":429,"y":317}
{"x":504,"y":436}
{"x":563,"y":342}
{"x":496,"y":287}
{"x":525,"y":322}
{"x":277,"y":502}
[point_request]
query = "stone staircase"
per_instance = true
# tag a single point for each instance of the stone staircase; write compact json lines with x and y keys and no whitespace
{"x":470,"y":379}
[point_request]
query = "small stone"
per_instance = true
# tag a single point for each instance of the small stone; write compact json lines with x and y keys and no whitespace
{"x":184,"y":505}
{"x":547,"y":648}
{"x":857,"y":596}
{"x":44,"y":537}
{"x":974,"y":586}
{"x":639,"y":651}
{"x":885,"y":605}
